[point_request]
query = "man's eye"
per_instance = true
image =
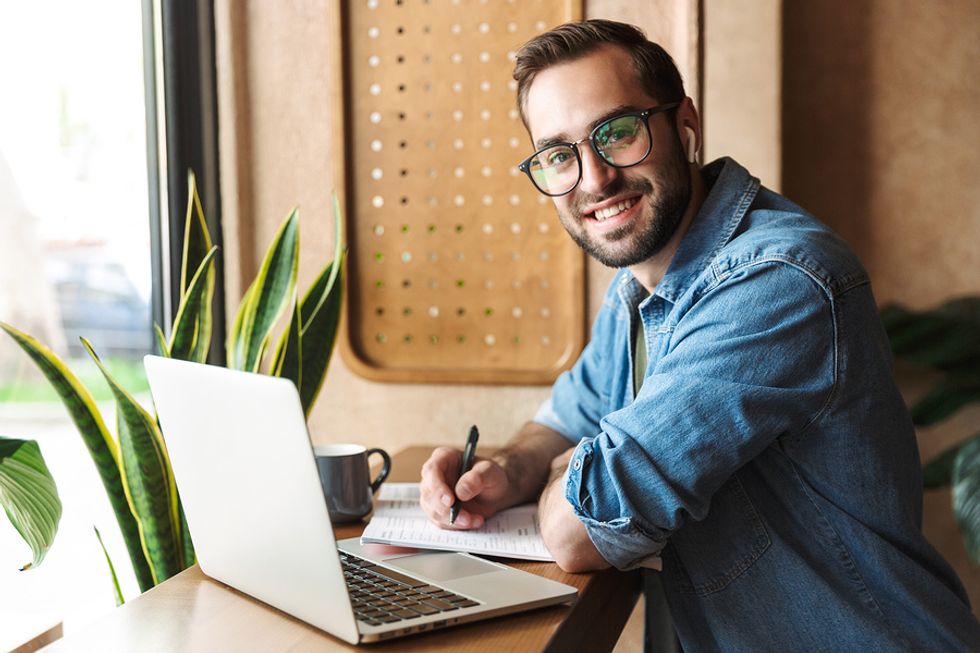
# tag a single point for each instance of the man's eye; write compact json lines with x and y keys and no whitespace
{"x":558,"y":158}
{"x":618,"y":134}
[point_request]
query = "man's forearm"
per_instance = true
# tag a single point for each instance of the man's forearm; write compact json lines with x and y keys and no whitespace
{"x":563,"y":532}
{"x":527,"y":459}
{"x":534,"y":461}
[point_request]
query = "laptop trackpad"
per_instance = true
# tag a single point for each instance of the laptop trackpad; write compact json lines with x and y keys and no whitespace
{"x":442,"y":566}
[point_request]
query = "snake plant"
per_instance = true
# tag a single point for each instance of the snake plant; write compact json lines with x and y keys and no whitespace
{"x":946,"y":340}
{"x":28,"y":495}
{"x":134,"y":465}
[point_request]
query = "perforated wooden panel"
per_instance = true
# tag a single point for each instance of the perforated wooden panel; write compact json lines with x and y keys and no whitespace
{"x":459,"y":271}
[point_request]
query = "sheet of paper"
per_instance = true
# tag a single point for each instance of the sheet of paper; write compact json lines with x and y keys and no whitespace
{"x":398,"y":519}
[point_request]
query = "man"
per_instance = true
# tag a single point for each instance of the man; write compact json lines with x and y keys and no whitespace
{"x":734,"y":413}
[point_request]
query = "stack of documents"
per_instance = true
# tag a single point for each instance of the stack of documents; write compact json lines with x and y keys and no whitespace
{"x":398,"y":519}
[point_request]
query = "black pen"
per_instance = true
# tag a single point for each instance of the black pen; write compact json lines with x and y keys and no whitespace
{"x":469,"y":453}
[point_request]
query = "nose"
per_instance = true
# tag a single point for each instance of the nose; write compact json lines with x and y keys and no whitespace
{"x":596,"y":173}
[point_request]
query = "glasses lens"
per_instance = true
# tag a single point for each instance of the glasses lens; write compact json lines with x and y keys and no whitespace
{"x":622,"y":141}
{"x":555,"y":170}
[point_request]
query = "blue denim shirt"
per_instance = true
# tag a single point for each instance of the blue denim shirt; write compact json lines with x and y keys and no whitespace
{"x":768,"y":457}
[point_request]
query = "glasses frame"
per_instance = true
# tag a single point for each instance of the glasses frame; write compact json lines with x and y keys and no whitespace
{"x":525,"y":165}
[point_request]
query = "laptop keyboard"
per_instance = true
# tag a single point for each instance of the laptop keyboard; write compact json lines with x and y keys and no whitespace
{"x":383,"y":596}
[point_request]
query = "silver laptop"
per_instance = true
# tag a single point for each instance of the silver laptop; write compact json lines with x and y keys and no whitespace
{"x":244,"y":465}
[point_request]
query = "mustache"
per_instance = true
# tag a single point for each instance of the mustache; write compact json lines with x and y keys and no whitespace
{"x":620,"y":185}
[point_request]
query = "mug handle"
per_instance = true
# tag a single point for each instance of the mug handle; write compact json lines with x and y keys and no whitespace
{"x":385,"y":468}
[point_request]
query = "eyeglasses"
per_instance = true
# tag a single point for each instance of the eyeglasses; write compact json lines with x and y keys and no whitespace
{"x":622,"y":141}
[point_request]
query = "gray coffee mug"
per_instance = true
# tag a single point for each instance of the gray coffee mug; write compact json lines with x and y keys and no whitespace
{"x":346,"y":479}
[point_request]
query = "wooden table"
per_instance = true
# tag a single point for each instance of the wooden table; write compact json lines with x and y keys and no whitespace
{"x":27,"y":632}
{"x":191,"y":612}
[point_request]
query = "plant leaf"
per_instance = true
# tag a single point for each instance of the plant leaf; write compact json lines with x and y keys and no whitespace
{"x":947,"y":337}
{"x":946,"y":397}
{"x":197,"y":248}
{"x":938,"y":472}
{"x":197,"y":239}
{"x":966,"y":495}
{"x":320,"y":311}
{"x":320,"y":330}
{"x":147,"y":478}
{"x":269,"y":297}
{"x":235,"y":345}
{"x":187,"y":544}
{"x":29,"y":496}
{"x":187,"y":339}
{"x":112,"y":570}
{"x":286,"y":362}
{"x":101,"y":447}
{"x":161,"y":341}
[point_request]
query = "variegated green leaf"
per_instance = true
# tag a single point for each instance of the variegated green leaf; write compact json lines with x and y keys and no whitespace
{"x":197,"y":239}
{"x":197,"y":247}
{"x":286,"y":361}
{"x":148,"y":480}
{"x":101,"y":447}
{"x":320,"y":312}
{"x":29,"y":496}
{"x":161,"y":341}
{"x":187,"y":340}
{"x":268,"y":299}
{"x":966,"y":494}
{"x":235,"y":345}
{"x":117,"y":590}
{"x":187,"y":544}
{"x":320,"y":329}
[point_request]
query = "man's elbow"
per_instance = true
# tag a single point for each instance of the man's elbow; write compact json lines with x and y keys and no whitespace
{"x":573,"y":552}
{"x":580,"y":562}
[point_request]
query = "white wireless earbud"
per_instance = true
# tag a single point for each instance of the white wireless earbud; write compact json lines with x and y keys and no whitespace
{"x":692,"y":145}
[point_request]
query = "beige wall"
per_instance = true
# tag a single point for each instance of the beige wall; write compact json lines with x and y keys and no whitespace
{"x":743,"y":85}
{"x":278,"y":66}
{"x":881,"y":136}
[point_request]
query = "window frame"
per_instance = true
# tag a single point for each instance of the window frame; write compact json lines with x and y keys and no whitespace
{"x":180,"y":83}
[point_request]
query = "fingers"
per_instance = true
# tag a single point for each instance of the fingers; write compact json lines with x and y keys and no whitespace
{"x":475,"y":481}
{"x":437,"y":473}
{"x":465,"y":520}
{"x":439,"y":489}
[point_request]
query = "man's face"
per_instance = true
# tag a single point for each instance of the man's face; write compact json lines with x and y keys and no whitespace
{"x":619,"y":216}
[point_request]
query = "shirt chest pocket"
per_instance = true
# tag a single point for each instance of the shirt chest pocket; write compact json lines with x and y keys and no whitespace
{"x":706,"y":556}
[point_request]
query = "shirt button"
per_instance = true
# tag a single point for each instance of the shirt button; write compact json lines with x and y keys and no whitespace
{"x":577,"y":465}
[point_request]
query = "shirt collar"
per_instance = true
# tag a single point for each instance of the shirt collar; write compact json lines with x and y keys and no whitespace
{"x":732,"y":191}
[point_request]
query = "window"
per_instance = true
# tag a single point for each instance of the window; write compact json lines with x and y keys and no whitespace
{"x":75,"y":260}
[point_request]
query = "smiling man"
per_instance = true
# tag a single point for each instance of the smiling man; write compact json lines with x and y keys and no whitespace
{"x":733,"y":416}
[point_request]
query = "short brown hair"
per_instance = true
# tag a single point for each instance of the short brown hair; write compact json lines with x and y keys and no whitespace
{"x":655,"y":69}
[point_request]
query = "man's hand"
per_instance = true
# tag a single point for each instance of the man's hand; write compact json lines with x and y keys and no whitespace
{"x":482,"y":490}
{"x":515,"y":474}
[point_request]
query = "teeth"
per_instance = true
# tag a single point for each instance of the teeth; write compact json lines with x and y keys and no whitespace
{"x":610,"y":211}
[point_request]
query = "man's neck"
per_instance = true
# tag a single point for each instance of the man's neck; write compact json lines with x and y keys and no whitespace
{"x":651,"y":271}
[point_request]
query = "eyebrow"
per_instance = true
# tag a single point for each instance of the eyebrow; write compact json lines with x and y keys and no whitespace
{"x":564,"y":138}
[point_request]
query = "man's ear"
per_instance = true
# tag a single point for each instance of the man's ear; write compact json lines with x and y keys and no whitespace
{"x":687,"y":115}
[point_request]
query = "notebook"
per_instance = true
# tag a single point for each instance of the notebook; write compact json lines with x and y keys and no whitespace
{"x":245,"y":470}
{"x":398,"y":519}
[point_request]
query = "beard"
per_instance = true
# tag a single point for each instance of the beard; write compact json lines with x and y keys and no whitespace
{"x":638,"y":240}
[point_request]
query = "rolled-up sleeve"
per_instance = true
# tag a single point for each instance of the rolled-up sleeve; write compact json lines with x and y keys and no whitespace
{"x":622,"y":541}
{"x":730,"y":381}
